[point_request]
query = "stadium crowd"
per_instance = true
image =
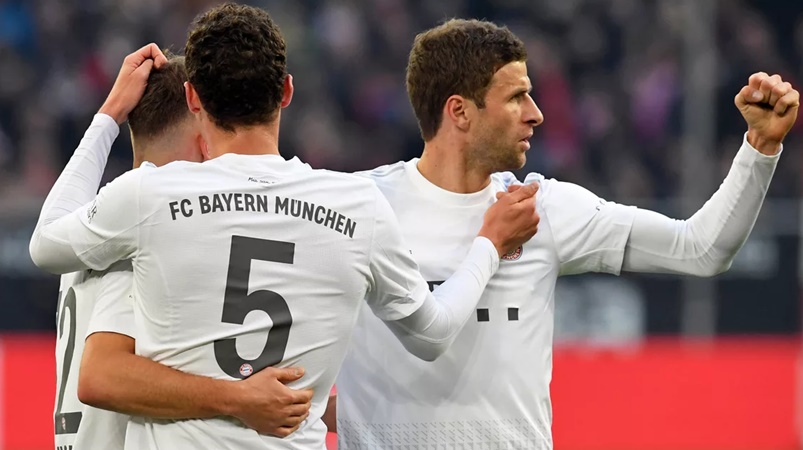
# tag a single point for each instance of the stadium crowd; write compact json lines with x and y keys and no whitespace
{"x":608,"y":75}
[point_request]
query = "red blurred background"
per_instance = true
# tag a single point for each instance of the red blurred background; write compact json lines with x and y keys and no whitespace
{"x":664,"y":394}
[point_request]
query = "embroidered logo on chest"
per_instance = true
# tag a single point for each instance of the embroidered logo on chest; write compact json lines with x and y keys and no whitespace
{"x":513,"y":255}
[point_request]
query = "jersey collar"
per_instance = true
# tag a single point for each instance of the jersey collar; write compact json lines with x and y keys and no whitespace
{"x":441,"y":195}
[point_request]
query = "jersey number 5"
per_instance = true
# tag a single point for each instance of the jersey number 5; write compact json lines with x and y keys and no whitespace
{"x":237,"y":303}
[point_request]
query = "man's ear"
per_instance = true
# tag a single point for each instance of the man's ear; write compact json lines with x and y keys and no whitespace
{"x":287,"y":91}
{"x":458,"y":110}
{"x":193,"y":101}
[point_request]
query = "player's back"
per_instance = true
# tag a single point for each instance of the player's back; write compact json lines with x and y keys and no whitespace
{"x":246,"y":262}
{"x":76,"y":425}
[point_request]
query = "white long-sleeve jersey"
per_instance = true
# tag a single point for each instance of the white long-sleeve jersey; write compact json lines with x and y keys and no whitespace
{"x":490,"y":390}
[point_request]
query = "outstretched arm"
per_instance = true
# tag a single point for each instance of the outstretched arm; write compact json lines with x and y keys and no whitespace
{"x":706,"y":243}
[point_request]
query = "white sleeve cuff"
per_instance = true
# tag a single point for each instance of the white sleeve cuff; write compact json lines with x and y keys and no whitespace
{"x":748,"y":155}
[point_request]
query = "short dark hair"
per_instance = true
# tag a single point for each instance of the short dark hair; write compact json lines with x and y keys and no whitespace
{"x":237,"y":62}
{"x":458,"y":57}
{"x":163,"y":104}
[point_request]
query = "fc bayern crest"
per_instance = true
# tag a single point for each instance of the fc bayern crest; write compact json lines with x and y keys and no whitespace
{"x":513,"y":255}
{"x":246,"y":370}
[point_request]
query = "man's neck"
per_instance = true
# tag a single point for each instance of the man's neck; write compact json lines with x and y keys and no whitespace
{"x":253,"y":140}
{"x":158,"y":158}
{"x":158,"y":153}
{"x":447,"y":167}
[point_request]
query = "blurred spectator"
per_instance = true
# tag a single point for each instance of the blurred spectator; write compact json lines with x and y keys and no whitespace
{"x":608,"y":75}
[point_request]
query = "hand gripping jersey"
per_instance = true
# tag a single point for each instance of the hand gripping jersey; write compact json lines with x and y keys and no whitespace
{"x":490,"y":390}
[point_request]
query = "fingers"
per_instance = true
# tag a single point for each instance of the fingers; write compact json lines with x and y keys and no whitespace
{"x":291,"y":424}
{"x":766,"y":85}
{"x":302,"y":396}
{"x":144,"y":70}
{"x":159,"y":58}
{"x":748,"y":95}
{"x":148,"y":52}
{"x":512,"y":188}
{"x":778,"y":90}
{"x":524,"y":192}
{"x":789,"y":101}
{"x":295,"y":420}
{"x":755,"y":80}
{"x":286,"y":375}
{"x":768,"y":90}
{"x":286,"y":431}
{"x":764,"y":88}
{"x":298,"y":410}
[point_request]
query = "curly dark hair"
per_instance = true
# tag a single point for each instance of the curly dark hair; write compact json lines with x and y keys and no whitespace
{"x":163,"y":104}
{"x":458,"y":57}
{"x":237,"y":62}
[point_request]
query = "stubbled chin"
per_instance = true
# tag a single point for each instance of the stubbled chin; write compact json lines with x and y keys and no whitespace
{"x":522,"y":160}
{"x":514,"y":163}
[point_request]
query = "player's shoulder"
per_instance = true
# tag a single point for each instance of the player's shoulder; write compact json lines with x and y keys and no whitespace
{"x":349,"y":191}
{"x":565,"y":200}
{"x":130,"y":179}
{"x":386,"y":172}
{"x":176,"y":166}
{"x":343,"y":178}
{"x":390,"y":178}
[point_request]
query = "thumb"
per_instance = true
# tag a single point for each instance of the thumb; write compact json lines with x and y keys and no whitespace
{"x":144,"y":69}
{"x":286,"y":375}
{"x":747,"y":96}
{"x":524,"y":193}
{"x":514,"y":187}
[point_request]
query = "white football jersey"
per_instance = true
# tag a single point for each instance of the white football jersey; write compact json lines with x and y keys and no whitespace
{"x":89,"y":301}
{"x":245,"y":262}
{"x":490,"y":390}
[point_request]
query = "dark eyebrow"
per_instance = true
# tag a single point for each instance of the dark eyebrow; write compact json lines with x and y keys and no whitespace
{"x":520,"y":91}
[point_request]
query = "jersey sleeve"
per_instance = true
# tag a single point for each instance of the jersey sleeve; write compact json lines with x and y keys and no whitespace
{"x":79,"y":181}
{"x":397,"y":288}
{"x":425,"y":322}
{"x":96,"y":235}
{"x":706,"y":243}
{"x":114,"y":306}
{"x":589,"y":233}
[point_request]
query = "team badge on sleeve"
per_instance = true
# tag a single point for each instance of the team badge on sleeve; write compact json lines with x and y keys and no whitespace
{"x":513,"y":255}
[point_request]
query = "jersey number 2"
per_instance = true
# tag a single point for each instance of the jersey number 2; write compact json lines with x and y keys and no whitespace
{"x":66,"y":423}
{"x":237,"y":303}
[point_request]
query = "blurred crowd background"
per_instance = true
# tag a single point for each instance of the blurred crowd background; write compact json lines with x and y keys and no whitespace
{"x":614,"y":79}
